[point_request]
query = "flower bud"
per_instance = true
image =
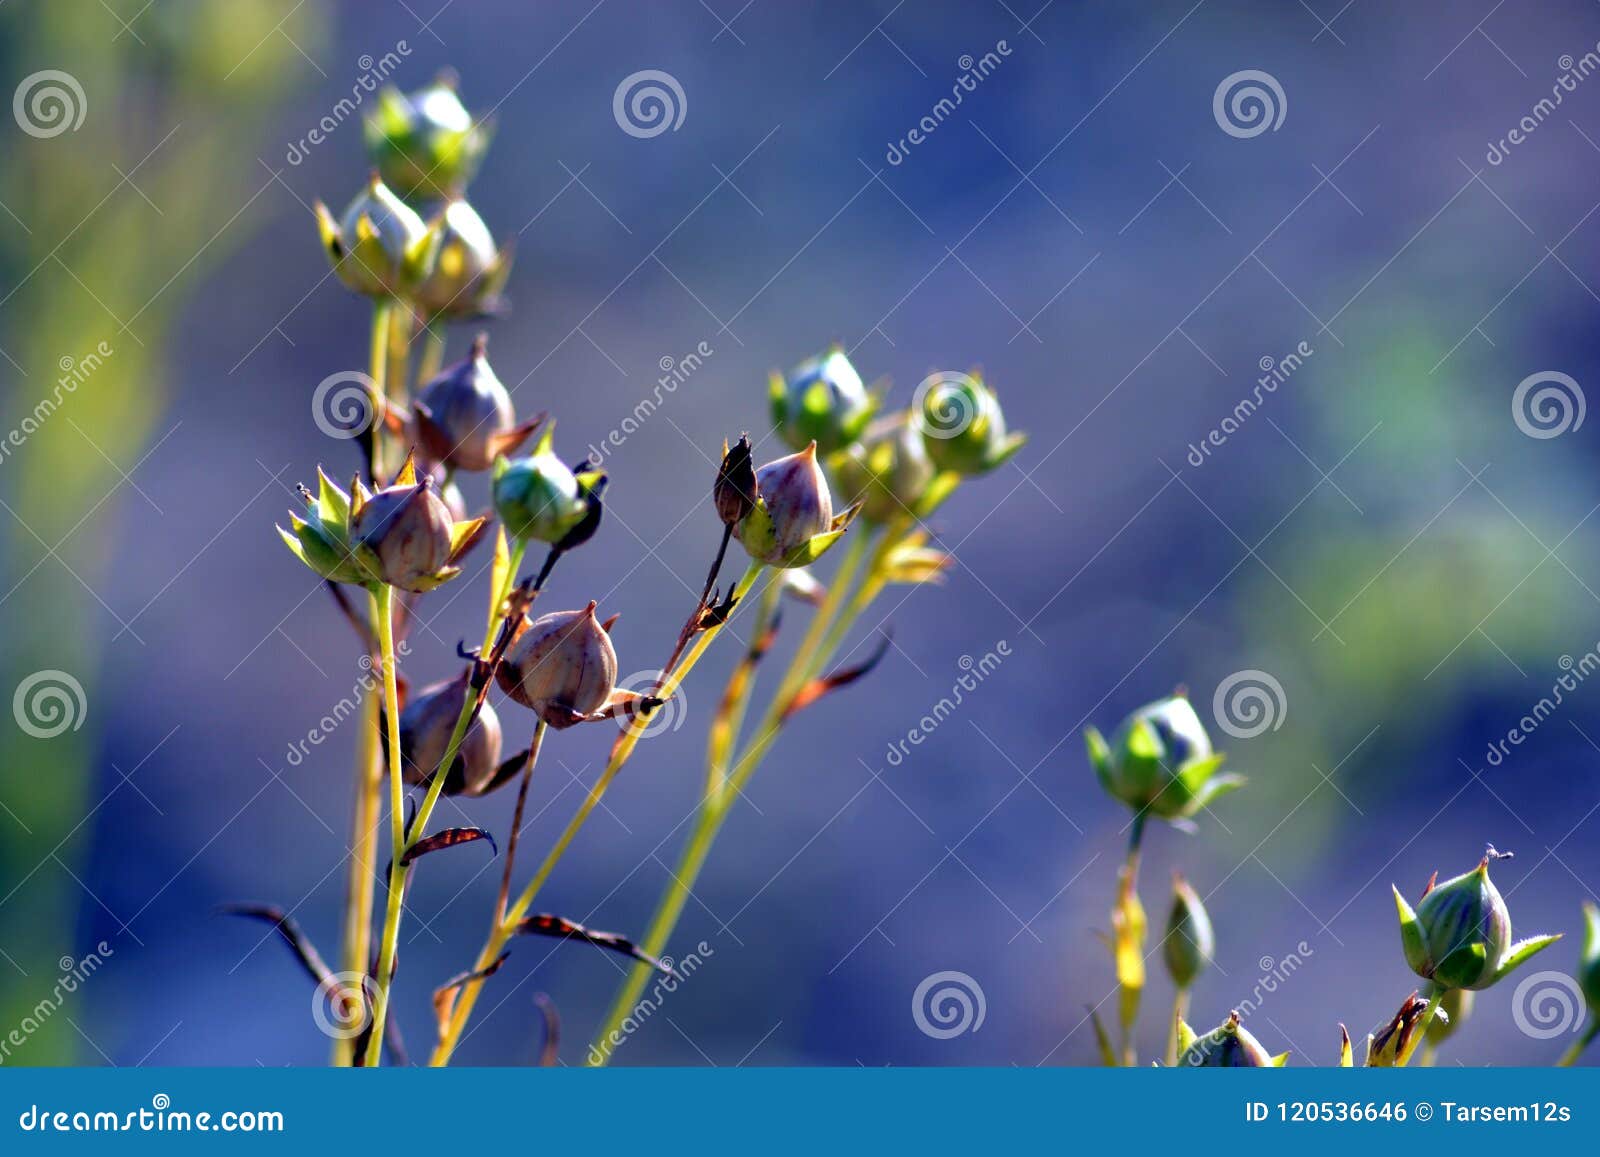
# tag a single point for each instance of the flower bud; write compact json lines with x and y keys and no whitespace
{"x":792,"y":521}
{"x":408,"y":528}
{"x":1589,"y":960}
{"x":426,"y":726}
{"x":1229,"y":1046}
{"x":470,"y":271}
{"x":425,"y":144}
{"x":1160,"y":760}
{"x":538,"y":496}
{"x":823,"y":401}
{"x":962,"y":424}
{"x":734,"y":492}
{"x":1190,"y":942}
{"x":562,"y":666}
{"x":464,"y":418}
{"x":380,"y":247}
{"x":888,"y":470}
{"x":1459,"y":936}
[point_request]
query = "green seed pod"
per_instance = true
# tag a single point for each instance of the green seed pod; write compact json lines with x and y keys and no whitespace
{"x":1160,"y":760}
{"x":537,"y":496}
{"x":794,"y":510}
{"x":1190,"y":943}
{"x":887,"y":471}
{"x":464,"y":418}
{"x":562,"y":666}
{"x":426,"y":144}
{"x":426,"y":725}
{"x":1459,"y":936}
{"x":1229,"y":1046}
{"x":822,"y":401}
{"x":962,"y":423}
{"x":380,"y":247}
{"x":1589,"y":961}
{"x":470,"y":272}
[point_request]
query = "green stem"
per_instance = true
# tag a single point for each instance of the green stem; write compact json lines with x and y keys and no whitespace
{"x":1421,"y":1032}
{"x":361,"y":885}
{"x":1570,"y":1057}
{"x":838,"y":590}
{"x":400,"y":321}
{"x":497,"y":598}
{"x":432,"y":356}
{"x":726,"y":726}
{"x":378,"y":370}
{"x":383,"y":602}
{"x":1128,"y":924}
{"x":620,"y":753}
{"x":1180,"y":1009}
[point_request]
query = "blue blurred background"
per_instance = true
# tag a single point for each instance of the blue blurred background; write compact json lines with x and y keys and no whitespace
{"x":1381,"y":536}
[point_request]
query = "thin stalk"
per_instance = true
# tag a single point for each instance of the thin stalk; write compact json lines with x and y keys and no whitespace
{"x":383,"y":602}
{"x":838,"y":590}
{"x":735,"y":703}
{"x":1421,"y":1032}
{"x":361,"y":886}
{"x":377,"y":363}
{"x":400,"y":322}
{"x":432,"y":356}
{"x":1570,"y":1057}
{"x":1128,"y":937}
{"x":498,"y":598}
{"x":516,"y":822}
{"x":620,"y":753}
{"x":1180,"y":1010}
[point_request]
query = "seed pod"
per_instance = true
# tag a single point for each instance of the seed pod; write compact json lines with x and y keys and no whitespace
{"x":1230,"y":1046}
{"x":962,"y":424}
{"x":470,"y":272}
{"x":888,"y":470}
{"x":1160,"y":760}
{"x":1459,"y":936}
{"x":538,"y":496}
{"x":464,"y":418}
{"x":408,"y":527}
{"x":1190,"y":942}
{"x":734,"y":492}
{"x":562,"y":666}
{"x":380,"y":247}
{"x":792,"y":522}
{"x":426,"y":725}
{"x":822,"y":401}
{"x":425,"y":144}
